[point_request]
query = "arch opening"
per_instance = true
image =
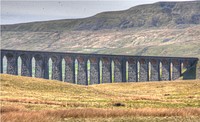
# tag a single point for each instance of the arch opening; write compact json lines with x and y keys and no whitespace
{"x":76,"y":70}
{"x":127,"y":67}
{"x":33,"y":66}
{"x":88,"y":71}
{"x":112,"y":71}
{"x":138,"y":71}
{"x":4,"y":64}
{"x":149,"y":71}
{"x":50,"y":68}
{"x":19,"y":65}
{"x":171,"y":71}
{"x":63,"y":70}
{"x":160,"y":70}
{"x":100,"y":70}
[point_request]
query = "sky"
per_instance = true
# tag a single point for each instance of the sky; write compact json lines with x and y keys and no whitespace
{"x":16,"y":11}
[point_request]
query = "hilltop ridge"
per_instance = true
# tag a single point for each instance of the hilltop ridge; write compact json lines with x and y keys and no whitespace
{"x":160,"y":14}
{"x":159,"y":29}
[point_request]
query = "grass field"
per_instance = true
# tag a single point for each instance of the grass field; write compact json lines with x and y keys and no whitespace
{"x":33,"y":99}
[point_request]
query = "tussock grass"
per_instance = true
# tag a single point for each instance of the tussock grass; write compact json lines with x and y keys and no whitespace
{"x":25,"y":98}
{"x":43,"y":94}
{"x":95,"y":113}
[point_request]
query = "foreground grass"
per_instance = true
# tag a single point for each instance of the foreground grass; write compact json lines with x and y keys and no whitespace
{"x":100,"y":115}
{"x":36,"y":99}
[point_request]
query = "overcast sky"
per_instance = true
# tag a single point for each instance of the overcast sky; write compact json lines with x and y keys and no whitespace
{"x":15,"y":11}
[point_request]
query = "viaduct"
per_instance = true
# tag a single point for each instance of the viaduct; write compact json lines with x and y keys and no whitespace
{"x":103,"y":68}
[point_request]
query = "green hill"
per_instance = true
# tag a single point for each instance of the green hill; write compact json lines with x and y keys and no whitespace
{"x":39,"y":99}
{"x":144,"y":16}
{"x":159,"y":29}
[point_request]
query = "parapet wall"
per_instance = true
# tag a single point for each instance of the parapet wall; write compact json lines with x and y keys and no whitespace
{"x":102,"y":68}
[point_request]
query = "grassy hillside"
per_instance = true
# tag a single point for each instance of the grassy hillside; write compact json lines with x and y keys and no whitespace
{"x":46,"y":100}
{"x":159,"y":29}
{"x":158,"y":42}
{"x":159,"y":14}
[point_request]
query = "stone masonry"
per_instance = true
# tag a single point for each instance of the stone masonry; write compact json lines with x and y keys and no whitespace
{"x":139,"y":68}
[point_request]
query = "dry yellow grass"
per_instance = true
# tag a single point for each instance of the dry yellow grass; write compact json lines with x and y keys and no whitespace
{"x":17,"y":114}
{"x":24,"y":98}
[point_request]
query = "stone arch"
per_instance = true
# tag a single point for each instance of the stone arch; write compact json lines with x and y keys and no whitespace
{"x":11,"y":64}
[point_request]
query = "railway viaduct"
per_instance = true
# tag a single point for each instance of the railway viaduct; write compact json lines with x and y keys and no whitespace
{"x":73,"y":67}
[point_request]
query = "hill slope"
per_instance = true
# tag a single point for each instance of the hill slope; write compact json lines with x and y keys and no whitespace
{"x":159,"y":29}
{"x":152,"y":15}
{"x":171,"y":94}
{"x":158,"y":42}
{"x":33,"y":99}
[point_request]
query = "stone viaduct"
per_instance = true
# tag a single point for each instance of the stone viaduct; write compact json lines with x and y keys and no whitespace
{"x":103,"y":68}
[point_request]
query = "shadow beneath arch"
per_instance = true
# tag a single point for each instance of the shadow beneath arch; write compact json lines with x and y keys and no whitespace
{"x":190,"y":73}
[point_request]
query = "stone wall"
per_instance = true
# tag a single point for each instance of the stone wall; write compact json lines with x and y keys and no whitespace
{"x":139,"y":68}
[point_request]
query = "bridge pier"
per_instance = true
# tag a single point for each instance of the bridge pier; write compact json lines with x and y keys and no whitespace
{"x":176,"y":71}
{"x":106,"y":70}
{"x":124,"y":72}
{"x":2,"y":62}
{"x":12,"y":64}
{"x":69,"y":69}
{"x":39,"y":66}
{"x":155,"y":70}
{"x":82,"y":76}
{"x":144,"y":70}
{"x":118,"y":70}
{"x":56,"y":67}
{"x":166,"y":70}
{"x":94,"y":71}
{"x":132,"y":70}
{"x":26,"y":67}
